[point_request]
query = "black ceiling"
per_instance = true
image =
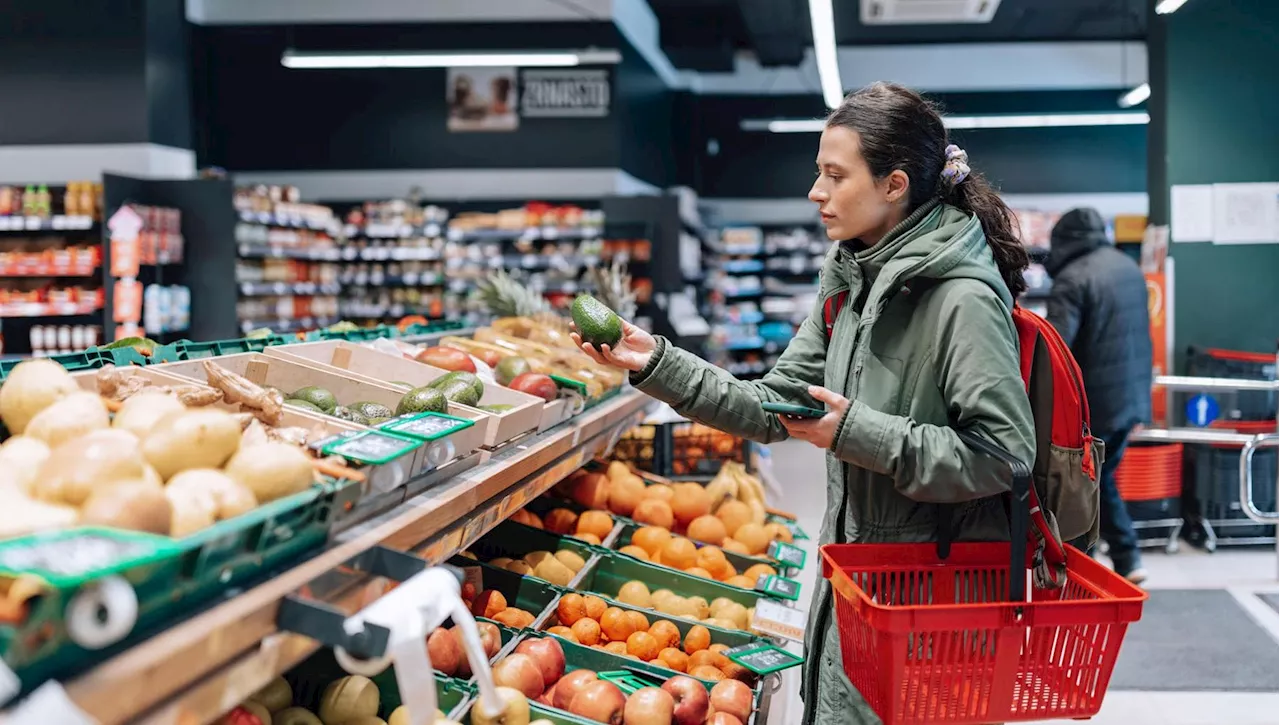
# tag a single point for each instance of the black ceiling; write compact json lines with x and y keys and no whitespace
{"x":704,"y":34}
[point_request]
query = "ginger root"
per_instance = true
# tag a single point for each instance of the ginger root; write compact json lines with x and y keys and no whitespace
{"x":267,"y":405}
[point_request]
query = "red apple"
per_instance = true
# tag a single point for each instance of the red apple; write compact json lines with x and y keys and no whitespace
{"x":519,"y":672}
{"x":600,"y":701}
{"x":691,"y":700}
{"x":570,"y":685}
{"x":548,"y":698}
{"x":723,"y":718}
{"x":649,"y":706}
{"x":490,"y":637}
{"x":548,"y":655}
{"x":445,"y":651}
{"x":733,"y":698}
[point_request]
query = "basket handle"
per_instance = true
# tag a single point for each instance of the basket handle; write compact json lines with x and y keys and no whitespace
{"x":1019,"y":511}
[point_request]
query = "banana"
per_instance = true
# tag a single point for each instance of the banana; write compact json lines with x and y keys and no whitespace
{"x":757,"y":511}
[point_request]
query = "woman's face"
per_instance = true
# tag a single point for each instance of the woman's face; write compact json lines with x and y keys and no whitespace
{"x":853,"y":204}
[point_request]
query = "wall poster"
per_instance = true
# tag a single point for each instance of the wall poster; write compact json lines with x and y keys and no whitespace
{"x":482,"y":99}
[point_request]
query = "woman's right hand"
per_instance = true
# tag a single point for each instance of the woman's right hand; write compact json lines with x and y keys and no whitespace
{"x":632,"y":352}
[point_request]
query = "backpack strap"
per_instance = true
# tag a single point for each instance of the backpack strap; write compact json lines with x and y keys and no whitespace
{"x":944,"y":528}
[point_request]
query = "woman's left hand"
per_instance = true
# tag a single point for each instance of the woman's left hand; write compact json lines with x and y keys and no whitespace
{"x":819,"y":431}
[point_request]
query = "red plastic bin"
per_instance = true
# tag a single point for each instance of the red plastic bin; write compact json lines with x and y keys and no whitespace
{"x":1150,"y":473}
{"x":928,"y":641}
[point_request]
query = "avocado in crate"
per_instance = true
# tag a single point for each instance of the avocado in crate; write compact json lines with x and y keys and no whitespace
{"x":529,"y":551}
{"x":666,"y":592}
{"x":502,"y":595}
{"x":674,"y":640}
{"x":319,"y":687}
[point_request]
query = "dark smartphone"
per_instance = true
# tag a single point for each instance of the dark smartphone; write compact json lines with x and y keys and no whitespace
{"x":793,"y":411}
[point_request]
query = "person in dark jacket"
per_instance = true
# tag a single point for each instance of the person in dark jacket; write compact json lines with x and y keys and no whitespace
{"x":1099,"y":305}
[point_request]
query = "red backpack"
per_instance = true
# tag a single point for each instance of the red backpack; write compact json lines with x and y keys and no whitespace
{"x":1064,"y":497}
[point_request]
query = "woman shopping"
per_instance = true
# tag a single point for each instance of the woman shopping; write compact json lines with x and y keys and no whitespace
{"x":911,"y":339}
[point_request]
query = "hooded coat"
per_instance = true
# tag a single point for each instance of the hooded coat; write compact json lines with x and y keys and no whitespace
{"x":1099,"y":305}
{"x":925,"y":345}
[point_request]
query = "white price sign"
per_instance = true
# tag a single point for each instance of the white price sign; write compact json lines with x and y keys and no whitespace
{"x":773,"y":618}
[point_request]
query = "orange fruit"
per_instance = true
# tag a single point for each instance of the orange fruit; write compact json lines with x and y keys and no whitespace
{"x":779,"y":532}
{"x":618,"y":648}
{"x":571,"y":608}
{"x":689,"y":501}
{"x":560,"y":521}
{"x":564,"y":632}
{"x":723,"y":570}
{"x":625,"y":493}
{"x":741,"y":581}
{"x":597,"y":523}
{"x":673,"y":658}
{"x":709,"y":557}
{"x":654,"y":511}
{"x":735,"y":546}
{"x":651,"y":538}
{"x":734,"y":514}
{"x":595,"y":606}
{"x":718,"y":648}
{"x":592,"y":491}
{"x":756,"y":571}
{"x":587,"y":631}
{"x":703,"y":658}
{"x":588,"y":538}
{"x":640,"y":621}
{"x":699,"y":571}
{"x":697,"y":639}
{"x":667,"y":634}
{"x":708,"y":529}
{"x":636,"y":551}
{"x":754,"y":537}
{"x":706,"y":672}
{"x":679,"y":553}
{"x":617,"y":625}
{"x":659,"y":491}
{"x":643,"y":645}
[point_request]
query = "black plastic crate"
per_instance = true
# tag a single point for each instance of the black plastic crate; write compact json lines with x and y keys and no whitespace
{"x":1243,"y":404}
{"x":1216,"y":489}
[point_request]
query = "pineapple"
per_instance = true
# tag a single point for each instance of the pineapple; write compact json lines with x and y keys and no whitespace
{"x":613,"y":285}
{"x":505,"y":297}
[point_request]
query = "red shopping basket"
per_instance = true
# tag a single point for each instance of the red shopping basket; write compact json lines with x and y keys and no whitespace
{"x":931,"y":640}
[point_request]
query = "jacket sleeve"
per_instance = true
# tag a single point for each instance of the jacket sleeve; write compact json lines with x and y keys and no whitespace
{"x":975,"y":354}
{"x":1066,"y":301}
{"x":703,"y":392}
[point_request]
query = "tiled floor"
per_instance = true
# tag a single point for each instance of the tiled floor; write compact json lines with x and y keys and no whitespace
{"x":1248,"y":576}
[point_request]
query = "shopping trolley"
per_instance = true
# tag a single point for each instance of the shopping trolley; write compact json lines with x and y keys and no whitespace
{"x":932,"y":640}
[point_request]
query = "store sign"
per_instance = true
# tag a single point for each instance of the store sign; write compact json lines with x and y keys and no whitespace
{"x":564,"y":93}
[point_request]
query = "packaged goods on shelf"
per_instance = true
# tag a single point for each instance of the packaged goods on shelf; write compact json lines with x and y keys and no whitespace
{"x":62,"y":339}
{"x":166,"y":308}
{"x":280,"y":206}
{"x":78,"y":200}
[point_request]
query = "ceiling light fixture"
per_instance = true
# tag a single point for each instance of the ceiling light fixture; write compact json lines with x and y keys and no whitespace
{"x":1048,"y":120}
{"x":1164,"y":7}
{"x":413,"y":59}
{"x":823,"y":25}
{"x":1136,"y":95}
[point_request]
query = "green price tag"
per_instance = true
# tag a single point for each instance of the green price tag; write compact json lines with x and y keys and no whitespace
{"x":570,"y":383}
{"x":741,"y":649}
{"x":372,"y":447}
{"x":788,"y":554}
{"x":766,"y":659}
{"x":72,"y":557}
{"x":776,"y":586}
{"x":426,"y":426}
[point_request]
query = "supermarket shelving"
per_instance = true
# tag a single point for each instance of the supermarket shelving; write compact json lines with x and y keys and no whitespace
{"x":196,"y":670}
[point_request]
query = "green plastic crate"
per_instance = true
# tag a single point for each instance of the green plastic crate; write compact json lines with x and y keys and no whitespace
{"x":87,"y":360}
{"x":513,"y":540}
{"x":741,"y":562}
{"x":527,"y":593}
{"x":727,"y":637}
{"x":608,"y":573}
{"x":359,"y":335}
{"x":309,"y":679}
{"x":169,"y":581}
{"x":188,"y":350}
{"x":536,"y":712}
{"x":432,"y":327}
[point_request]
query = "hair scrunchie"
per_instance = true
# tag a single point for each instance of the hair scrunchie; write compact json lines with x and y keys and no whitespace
{"x":956,"y":168}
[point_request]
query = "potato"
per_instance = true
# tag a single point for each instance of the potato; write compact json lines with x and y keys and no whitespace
{"x":32,"y":386}
{"x":535,"y":558}
{"x":141,"y":412}
{"x":271,"y":470}
{"x":553,"y":571}
{"x":70,"y":417}
{"x":81,"y":466}
{"x":180,"y":441}
{"x":193,"y":509}
{"x":227,"y":498}
{"x":519,"y":566}
{"x":571,"y":560}
{"x":23,"y":456}
{"x":135,"y":506}
{"x":20,"y":515}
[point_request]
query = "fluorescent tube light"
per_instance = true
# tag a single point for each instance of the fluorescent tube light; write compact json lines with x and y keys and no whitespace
{"x":1164,"y":7}
{"x":815,"y":125}
{"x":544,"y":59}
{"x":1136,"y":95}
{"x":822,"y":22}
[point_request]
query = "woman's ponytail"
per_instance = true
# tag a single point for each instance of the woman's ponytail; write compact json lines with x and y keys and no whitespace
{"x":973,"y":194}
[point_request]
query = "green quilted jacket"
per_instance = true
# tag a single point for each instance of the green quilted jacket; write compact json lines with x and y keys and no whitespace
{"x":925,"y":344}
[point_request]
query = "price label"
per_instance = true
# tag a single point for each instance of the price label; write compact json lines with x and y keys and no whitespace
{"x":741,"y":649}
{"x":777,"y":619}
{"x":426,"y":426}
{"x":765,"y":660}
{"x":67,"y":556}
{"x":372,"y":447}
{"x":776,"y":586}
{"x":788,"y":554}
